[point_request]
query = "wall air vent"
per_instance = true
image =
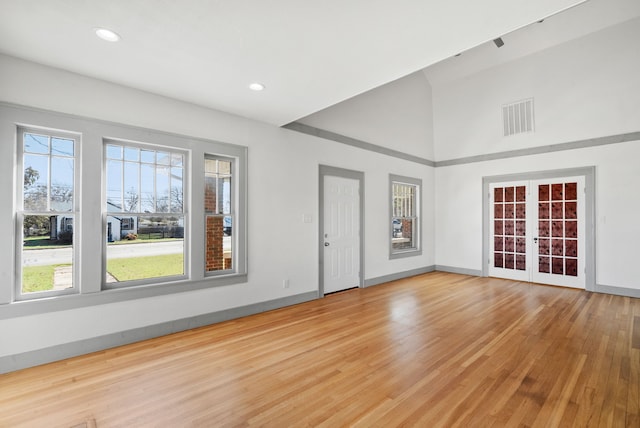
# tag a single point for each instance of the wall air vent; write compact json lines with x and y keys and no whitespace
{"x":517,"y":118}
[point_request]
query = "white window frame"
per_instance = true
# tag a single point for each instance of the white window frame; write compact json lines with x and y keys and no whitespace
{"x":232,"y":213}
{"x":89,"y":237}
{"x":416,"y":249}
{"x":21,"y":212}
{"x":124,"y":213}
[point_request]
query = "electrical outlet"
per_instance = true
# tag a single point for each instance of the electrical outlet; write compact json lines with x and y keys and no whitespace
{"x":285,"y":283}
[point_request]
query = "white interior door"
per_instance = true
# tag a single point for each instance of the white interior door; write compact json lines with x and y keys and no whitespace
{"x":537,"y":231}
{"x":341,"y":233}
{"x":510,"y":241}
{"x":559,"y":232}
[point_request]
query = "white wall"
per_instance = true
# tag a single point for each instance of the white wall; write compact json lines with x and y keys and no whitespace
{"x":583,"y":89}
{"x":459,"y":207}
{"x":397,"y":116}
{"x":282,"y":183}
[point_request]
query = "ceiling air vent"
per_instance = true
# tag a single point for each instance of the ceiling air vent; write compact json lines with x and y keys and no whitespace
{"x":517,"y":118}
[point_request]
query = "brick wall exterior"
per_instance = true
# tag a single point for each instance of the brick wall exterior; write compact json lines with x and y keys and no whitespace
{"x":407,"y":231}
{"x":210,"y":197}
{"x":214,"y":258}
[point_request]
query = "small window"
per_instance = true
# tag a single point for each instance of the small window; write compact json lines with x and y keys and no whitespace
{"x":219,"y":214}
{"x":405,"y":216}
{"x":48,"y":201}
{"x":127,"y":223}
{"x":144,"y":207}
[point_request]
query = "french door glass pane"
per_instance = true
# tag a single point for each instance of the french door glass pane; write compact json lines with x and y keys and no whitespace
{"x":509,"y":226}
{"x":558,"y":229}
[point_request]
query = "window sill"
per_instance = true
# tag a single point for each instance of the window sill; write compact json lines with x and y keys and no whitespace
{"x":406,"y":253}
{"x":74,"y":301}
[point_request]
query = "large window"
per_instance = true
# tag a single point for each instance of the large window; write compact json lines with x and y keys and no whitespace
{"x":145,"y":213}
{"x":405,"y":216}
{"x":48,"y":207}
{"x":145,"y":223}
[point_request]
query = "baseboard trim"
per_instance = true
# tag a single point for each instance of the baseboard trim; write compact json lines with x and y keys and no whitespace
{"x":618,"y":291}
{"x":38,"y":357}
{"x":398,"y":275}
{"x":462,"y":271}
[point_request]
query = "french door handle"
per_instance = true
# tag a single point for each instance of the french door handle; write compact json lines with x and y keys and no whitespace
{"x":535,"y":240}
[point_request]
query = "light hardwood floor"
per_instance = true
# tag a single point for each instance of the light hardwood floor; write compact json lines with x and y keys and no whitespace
{"x":434,"y":350}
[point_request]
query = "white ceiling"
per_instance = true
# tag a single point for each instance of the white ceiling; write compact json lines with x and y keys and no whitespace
{"x":309,"y":54}
{"x":571,"y":24}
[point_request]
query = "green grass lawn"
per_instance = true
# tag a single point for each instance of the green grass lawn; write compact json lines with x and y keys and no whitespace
{"x":36,"y":242}
{"x":37,"y":278}
{"x":40,"y":278}
{"x":146,"y":267}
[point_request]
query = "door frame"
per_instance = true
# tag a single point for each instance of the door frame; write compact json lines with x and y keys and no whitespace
{"x":325,"y":170}
{"x":589,"y":206}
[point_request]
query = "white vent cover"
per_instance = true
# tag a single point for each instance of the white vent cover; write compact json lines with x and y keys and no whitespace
{"x":517,"y":118}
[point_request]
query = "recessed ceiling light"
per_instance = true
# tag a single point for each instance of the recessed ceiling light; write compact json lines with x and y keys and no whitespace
{"x":107,"y":35}
{"x":256,"y":86}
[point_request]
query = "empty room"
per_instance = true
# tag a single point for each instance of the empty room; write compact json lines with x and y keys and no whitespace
{"x":416,"y":213}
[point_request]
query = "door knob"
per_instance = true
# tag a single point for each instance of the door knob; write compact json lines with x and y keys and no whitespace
{"x":535,"y":240}
{"x":326,"y":244}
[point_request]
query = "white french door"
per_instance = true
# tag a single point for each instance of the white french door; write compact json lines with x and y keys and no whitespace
{"x":537,"y":231}
{"x":341,"y":233}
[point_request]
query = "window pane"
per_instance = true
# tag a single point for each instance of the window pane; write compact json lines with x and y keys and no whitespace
{"x":163,"y":158}
{"x":403,"y":232}
{"x":131,"y":187}
{"x":162,"y":189}
{"x":144,"y":247}
{"x":210,"y":166}
{"x":61,"y":147}
{"x":114,"y":152}
{"x":131,"y":154}
{"x":226,"y":195}
{"x":148,"y":156}
{"x":143,"y":241}
{"x":36,"y":143}
{"x":176,"y":159}
{"x":47,"y":253}
{"x":404,"y":200}
{"x":219,"y":221}
{"x":210,"y":194}
{"x":218,"y":254}
{"x":224,"y":167}
{"x":114,"y":185}
{"x":36,"y":182}
{"x":61,"y":183}
{"x":147,"y":196}
{"x":176,"y":190}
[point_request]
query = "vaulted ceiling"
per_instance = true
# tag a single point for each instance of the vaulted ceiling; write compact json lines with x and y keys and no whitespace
{"x":309,"y":55}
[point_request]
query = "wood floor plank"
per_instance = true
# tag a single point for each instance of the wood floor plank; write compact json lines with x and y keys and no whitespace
{"x":438,"y":349}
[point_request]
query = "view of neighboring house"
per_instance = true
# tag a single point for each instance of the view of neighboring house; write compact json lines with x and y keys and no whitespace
{"x":119,"y":227}
{"x":59,"y":224}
